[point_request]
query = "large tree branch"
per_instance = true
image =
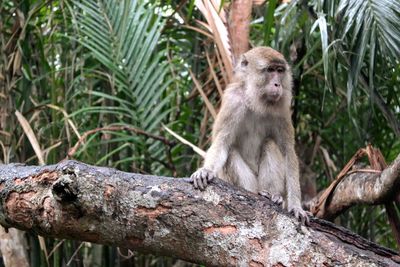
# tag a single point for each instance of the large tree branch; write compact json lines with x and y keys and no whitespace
{"x":221,"y":226}
{"x":359,"y":187}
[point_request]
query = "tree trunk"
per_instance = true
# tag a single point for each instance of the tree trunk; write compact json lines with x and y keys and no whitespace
{"x":13,"y":248}
{"x":221,"y":226}
{"x":239,"y":26}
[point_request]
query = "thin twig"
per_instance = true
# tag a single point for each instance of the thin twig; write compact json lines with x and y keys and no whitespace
{"x":76,"y":252}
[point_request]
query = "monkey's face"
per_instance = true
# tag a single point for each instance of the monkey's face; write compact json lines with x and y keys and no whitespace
{"x":266,"y":79}
{"x":264,"y":71}
{"x":270,"y":81}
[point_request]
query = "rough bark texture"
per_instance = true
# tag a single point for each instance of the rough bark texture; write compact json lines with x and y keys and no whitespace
{"x":239,"y":26}
{"x":362,"y":188}
{"x":221,"y":226}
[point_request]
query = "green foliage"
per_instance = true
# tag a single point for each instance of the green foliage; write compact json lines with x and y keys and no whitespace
{"x":124,"y":37}
{"x":369,"y":27}
{"x":72,"y":66}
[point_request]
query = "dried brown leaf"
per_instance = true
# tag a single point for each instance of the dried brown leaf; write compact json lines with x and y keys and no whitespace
{"x":31,"y":136}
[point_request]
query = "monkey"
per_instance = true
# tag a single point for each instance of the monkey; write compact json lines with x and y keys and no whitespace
{"x":253,"y":136}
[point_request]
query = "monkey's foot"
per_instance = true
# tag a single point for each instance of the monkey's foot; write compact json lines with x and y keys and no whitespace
{"x":301,"y":215}
{"x":276,"y":198}
{"x":202,"y":177}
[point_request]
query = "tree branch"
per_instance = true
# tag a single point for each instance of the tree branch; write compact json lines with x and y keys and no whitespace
{"x":221,"y":226}
{"x":357,"y":188}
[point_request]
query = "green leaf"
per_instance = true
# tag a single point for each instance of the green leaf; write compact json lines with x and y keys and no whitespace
{"x":269,"y":20}
{"x":123,"y":36}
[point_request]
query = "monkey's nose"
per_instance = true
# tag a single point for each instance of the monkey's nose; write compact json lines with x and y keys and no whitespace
{"x":277,"y":84}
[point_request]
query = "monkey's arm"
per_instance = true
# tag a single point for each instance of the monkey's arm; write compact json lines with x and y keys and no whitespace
{"x":224,"y":131}
{"x":292,"y":173}
{"x":292,"y":176}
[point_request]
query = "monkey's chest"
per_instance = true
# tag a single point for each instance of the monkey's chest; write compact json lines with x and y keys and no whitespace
{"x":251,"y":140}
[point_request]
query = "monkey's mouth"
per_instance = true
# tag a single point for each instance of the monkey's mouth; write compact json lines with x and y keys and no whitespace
{"x":271,"y":98}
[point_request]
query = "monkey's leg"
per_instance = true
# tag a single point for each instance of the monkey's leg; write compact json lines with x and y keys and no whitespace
{"x":239,"y":173}
{"x":276,"y":198}
{"x":271,"y":176}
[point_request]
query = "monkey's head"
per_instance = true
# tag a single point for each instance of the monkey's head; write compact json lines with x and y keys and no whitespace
{"x":266,"y":76}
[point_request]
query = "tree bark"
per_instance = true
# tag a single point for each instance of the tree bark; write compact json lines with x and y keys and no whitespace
{"x":239,"y":26}
{"x":13,"y":248}
{"x":221,"y":226}
{"x":361,"y":188}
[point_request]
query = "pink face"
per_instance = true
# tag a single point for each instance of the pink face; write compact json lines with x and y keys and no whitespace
{"x":274,"y":72}
{"x":266,"y":73}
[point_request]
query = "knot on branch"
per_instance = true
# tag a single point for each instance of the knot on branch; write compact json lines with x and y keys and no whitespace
{"x":65,"y":189}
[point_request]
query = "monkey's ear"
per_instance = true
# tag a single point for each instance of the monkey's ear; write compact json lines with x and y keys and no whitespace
{"x":240,"y":66}
{"x":243,"y":61}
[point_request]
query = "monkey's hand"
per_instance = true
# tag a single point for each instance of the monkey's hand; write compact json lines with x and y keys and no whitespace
{"x":202,"y":177}
{"x":301,"y":215}
{"x":276,"y":198}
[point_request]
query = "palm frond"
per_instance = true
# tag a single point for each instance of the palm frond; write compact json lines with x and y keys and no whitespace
{"x":372,"y":27}
{"x":216,"y":24}
{"x":123,"y":36}
{"x":321,"y":23}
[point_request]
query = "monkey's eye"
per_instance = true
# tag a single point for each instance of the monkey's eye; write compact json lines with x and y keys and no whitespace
{"x":270,"y":69}
{"x":280,"y":69}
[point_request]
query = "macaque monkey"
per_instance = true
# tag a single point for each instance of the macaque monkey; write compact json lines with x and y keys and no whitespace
{"x":253,"y":136}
